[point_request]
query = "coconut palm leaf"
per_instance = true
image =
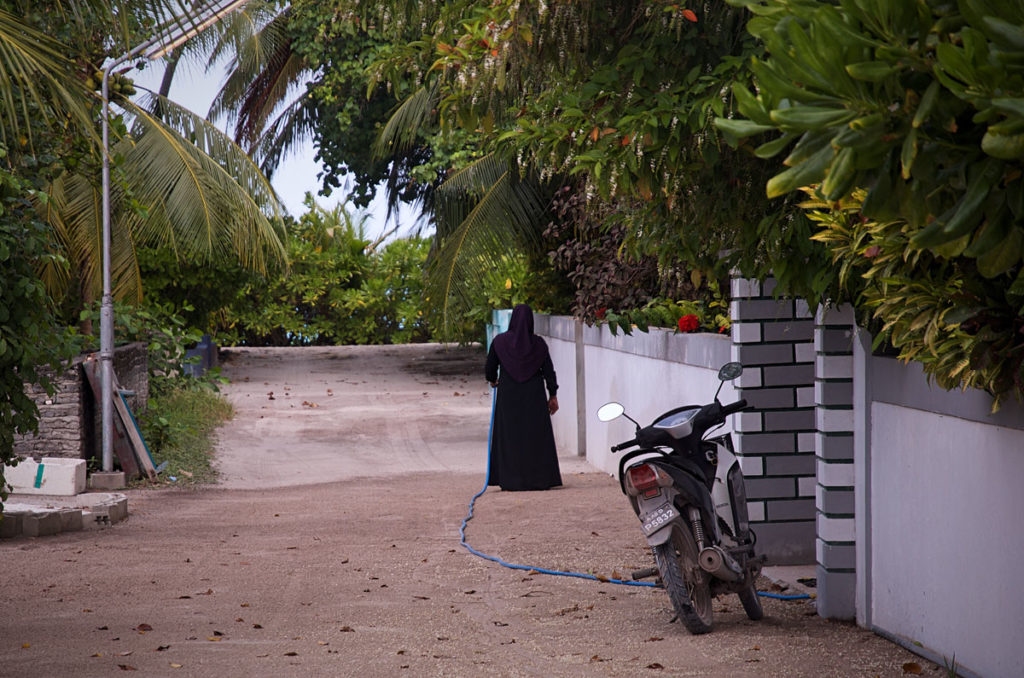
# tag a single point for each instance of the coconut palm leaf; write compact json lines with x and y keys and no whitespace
{"x":484,"y":211}
{"x":264,"y":73}
{"x":180,"y":183}
{"x":285,"y":133}
{"x":399,"y":135}
{"x":37,"y":82}
{"x":207,"y":197}
{"x":74,"y":212}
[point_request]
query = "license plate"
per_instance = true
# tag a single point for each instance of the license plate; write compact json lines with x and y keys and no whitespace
{"x":654,"y":520}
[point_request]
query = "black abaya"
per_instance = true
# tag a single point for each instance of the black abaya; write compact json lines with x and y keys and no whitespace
{"x":523,"y":455}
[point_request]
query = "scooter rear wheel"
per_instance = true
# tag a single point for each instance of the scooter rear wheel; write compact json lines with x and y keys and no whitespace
{"x":688,"y":585}
{"x":751,"y":603}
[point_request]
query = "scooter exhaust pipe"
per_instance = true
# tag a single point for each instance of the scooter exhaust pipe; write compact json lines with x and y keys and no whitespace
{"x":720,"y":564}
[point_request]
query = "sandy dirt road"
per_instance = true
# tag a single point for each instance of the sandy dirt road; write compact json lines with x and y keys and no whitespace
{"x":332,"y":549}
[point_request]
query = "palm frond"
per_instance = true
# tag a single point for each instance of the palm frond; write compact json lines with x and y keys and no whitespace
{"x":292,"y":127}
{"x":400,"y":131}
{"x":485,"y":211}
{"x":203,"y":207}
{"x":36,"y":82}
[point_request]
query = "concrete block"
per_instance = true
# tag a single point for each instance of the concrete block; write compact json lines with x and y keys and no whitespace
{"x":835,"y":502}
{"x":755,"y":511}
{"x":836,"y":529}
{"x":788,"y":375}
{"x":11,"y":524}
{"x":835,"y":367}
{"x":805,"y":486}
{"x":793,"y":509}
{"x":40,"y":524}
{"x":833,"y":393}
{"x":834,"y":420}
{"x":752,"y":466}
{"x":836,"y":556}
{"x":806,"y":442}
{"x":805,"y":397}
{"x":834,"y":446}
{"x":771,"y":488}
{"x":59,"y":476}
{"x":792,"y":330}
{"x":745,"y":333}
{"x":792,"y":420}
{"x":790,"y":465}
{"x":765,"y":443}
{"x":118,"y":510}
{"x":834,"y":341}
{"x":770,"y":398}
{"x":765,"y":354}
{"x":835,"y":474}
{"x":769,"y":309}
{"x":70,"y":520}
{"x":837,"y":594}
{"x":790,"y":543}
{"x":804,"y":353}
{"x":107,"y":481}
{"x":744,"y":287}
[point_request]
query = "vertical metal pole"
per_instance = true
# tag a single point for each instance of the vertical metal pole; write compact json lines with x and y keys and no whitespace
{"x":107,"y":303}
{"x":581,"y":391}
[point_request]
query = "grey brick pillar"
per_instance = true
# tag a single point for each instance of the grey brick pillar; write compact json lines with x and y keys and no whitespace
{"x":774,"y":339}
{"x":833,"y":398}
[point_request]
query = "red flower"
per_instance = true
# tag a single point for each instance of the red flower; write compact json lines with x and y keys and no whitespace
{"x":688,"y":323}
{"x":600,"y":313}
{"x":689,"y":15}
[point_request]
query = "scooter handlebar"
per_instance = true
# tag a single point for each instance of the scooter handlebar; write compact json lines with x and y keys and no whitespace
{"x":622,"y":446}
{"x":734,"y":407}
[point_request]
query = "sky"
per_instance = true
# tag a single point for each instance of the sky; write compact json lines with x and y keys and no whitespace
{"x":297,"y":174}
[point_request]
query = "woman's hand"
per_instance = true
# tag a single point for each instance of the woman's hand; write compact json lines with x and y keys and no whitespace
{"x":552,"y":405}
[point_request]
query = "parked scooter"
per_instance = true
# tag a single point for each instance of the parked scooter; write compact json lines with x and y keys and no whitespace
{"x":689,"y":495}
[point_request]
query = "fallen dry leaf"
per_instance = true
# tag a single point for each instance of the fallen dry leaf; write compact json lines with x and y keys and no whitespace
{"x":126,"y":667}
{"x":215,"y":639}
{"x":347,"y":629}
{"x":142,"y":628}
{"x":912,"y":668}
{"x":291,"y":654}
{"x":175,"y":666}
{"x":654,"y":665}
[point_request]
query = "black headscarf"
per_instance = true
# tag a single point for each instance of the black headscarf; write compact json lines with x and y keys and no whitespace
{"x":520,"y":351}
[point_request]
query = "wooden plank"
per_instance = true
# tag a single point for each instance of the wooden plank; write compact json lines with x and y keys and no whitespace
{"x":121,"y":444}
{"x":134,"y":435}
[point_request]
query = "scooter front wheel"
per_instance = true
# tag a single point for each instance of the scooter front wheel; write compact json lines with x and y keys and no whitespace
{"x":688,"y":585}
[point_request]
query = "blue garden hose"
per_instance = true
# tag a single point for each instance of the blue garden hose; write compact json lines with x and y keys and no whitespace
{"x":542,"y":570}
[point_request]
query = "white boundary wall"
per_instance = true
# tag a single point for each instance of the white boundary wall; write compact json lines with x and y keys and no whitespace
{"x":648,"y":372}
{"x":938,"y":484}
{"x":939,"y":511}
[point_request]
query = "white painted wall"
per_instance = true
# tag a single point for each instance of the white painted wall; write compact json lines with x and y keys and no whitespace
{"x":646,"y":387}
{"x":947,"y":545}
{"x":563,"y":356}
{"x":648,"y":372}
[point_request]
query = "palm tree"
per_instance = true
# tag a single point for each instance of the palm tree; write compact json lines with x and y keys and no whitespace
{"x":179,"y":181}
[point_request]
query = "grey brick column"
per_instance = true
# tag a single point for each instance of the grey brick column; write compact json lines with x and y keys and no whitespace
{"x":833,"y":397}
{"x":774,"y":339}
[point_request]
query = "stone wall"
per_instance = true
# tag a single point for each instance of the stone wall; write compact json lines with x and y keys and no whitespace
{"x":61,"y":416}
{"x":69,"y":420}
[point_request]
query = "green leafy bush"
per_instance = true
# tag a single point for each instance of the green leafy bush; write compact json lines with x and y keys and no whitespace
{"x":906,"y":120}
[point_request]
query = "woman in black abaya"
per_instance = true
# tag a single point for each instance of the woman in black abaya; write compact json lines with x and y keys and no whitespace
{"x":523,"y":453}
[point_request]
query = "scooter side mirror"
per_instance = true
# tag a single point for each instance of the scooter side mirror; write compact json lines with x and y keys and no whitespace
{"x":610,"y":411}
{"x":730,"y":371}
